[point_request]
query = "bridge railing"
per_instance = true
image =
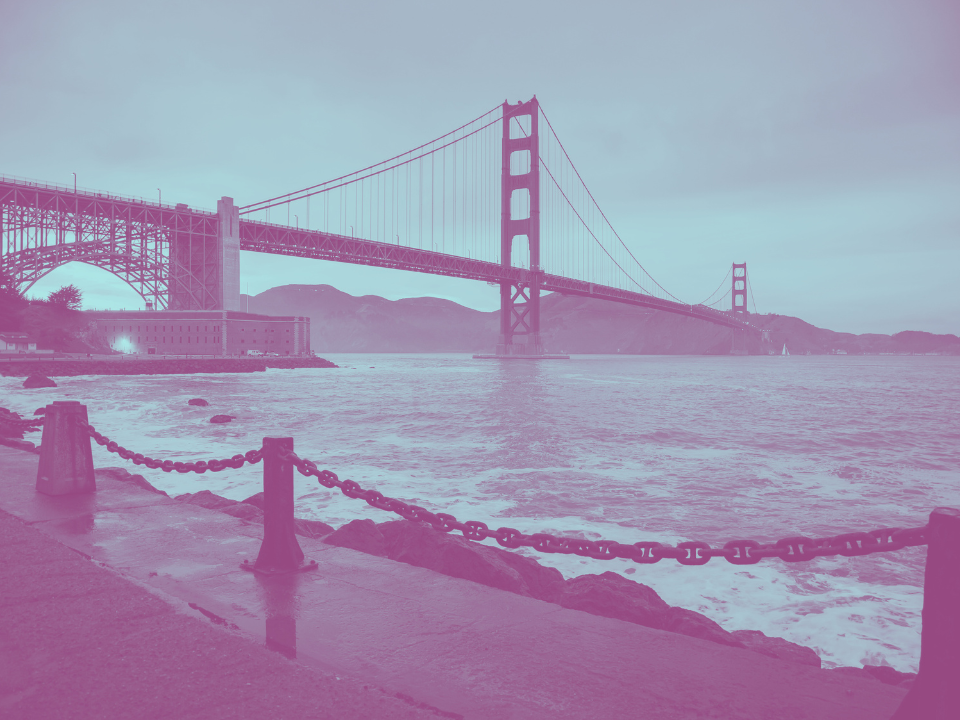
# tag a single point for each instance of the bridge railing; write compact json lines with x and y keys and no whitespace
{"x":66,"y":467}
{"x":92,"y":193}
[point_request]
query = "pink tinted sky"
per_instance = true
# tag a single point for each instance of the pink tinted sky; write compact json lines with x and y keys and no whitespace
{"x":817,"y":141}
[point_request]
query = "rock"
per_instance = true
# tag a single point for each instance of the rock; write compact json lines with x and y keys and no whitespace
{"x":40,"y":411}
{"x":311,"y":528}
{"x":777,"y":647}
{"x":13,"y":430}
{"x":362,"y":535}
{"x":19,"y":444}
{"x":242,"y":511}
{"x":121,"y":474}
{"x":206,"y":499}
{"x":421,"y":545}
{"x":200,"y":402}
{"x":36,"y":380}
{"x":212,"y":501}
{"x":251,"y":510}
{"x":610,"y":595}
{"x":687,"y":622}
{"x":255,"y":500}
{"x":222,"y":418}
{"x":850,"y":672}
{"x":888,"y":676}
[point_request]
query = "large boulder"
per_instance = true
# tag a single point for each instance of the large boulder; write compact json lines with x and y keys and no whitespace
{"x":255,"y":500}
{"x":777,"y":647}
{"x":199,"y":402}
{"x":123,"y":475}
{"x":419,"y":544}
{"x":249,"y":510}
{"x":888,"y":676}
{"x":36,"y":380}
{"x":613,"y":596}
{"x":10,"y":426}
{"x":362,"y":535}
{"x":311,"y":528}
{"x":688,"y":622}
{"x":207,"y":499}
{"x":222,"y":418}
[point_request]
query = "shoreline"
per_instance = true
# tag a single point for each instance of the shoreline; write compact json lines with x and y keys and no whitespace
{"x":187,"y":551}
{"x":156,"y":365}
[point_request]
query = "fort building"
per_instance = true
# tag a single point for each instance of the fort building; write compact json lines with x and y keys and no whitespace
{"x":202,"y":332}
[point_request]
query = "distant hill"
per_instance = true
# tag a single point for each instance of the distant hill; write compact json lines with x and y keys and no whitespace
{"x":344,"y":323}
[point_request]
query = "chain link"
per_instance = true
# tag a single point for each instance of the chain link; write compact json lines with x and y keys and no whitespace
{"x":736,"y":552}
{"x":201,"y":466}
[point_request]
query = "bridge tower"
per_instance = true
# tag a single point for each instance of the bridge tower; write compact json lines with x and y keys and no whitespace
{"x":738,"y":295}
{"x":520,"y":301}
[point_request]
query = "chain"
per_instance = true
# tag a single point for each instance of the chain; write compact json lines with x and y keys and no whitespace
{"x":737,"y":552}
{"x":201,"y":466}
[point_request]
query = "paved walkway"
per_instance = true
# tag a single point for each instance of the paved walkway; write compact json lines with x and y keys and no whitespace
{"x":81,"y":641}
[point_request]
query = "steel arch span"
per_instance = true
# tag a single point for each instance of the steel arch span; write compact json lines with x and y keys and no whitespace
{"x":169,"y":255}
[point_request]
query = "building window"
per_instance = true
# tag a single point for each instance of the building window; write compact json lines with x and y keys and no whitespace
{"x":242,"y":342}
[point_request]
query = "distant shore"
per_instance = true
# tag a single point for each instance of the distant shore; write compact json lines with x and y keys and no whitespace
{"x":152,"y":365}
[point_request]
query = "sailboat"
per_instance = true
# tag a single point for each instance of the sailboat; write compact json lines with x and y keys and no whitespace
{"x":785,"y":351}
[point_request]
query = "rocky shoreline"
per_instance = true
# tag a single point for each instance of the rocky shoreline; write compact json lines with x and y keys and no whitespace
{"x":607,"y":594}
{"x":160,"y":366}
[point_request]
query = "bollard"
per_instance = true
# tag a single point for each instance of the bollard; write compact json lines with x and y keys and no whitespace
{"x":935,"y":694}
{"x":280,"y":552}
{"x":66,"y":461}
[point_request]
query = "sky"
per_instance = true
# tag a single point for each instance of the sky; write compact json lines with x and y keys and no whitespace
{"x":819,"y":142}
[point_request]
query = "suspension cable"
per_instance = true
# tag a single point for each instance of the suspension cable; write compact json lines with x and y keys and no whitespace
{"x":254,"y":206}
{"x":574,"y":167}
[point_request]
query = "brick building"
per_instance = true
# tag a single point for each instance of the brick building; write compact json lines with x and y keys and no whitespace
{"x":202,"y":332}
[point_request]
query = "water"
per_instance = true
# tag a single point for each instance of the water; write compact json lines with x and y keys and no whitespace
{"x":622,"y":448}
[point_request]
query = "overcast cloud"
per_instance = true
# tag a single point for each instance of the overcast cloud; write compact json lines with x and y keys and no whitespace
{"x":817,"y":141}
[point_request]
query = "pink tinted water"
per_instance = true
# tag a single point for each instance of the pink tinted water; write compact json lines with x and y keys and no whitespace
{"x":621,"y":448}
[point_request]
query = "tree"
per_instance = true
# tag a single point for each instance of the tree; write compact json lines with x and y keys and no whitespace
{"x":68,"y":297}
{"x":12,"y":303}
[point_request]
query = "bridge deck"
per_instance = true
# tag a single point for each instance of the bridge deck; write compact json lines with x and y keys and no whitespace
{"x":265,"y":237}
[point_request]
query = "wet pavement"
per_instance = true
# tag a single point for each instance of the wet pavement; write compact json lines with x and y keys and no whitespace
{"x":458,"y":647}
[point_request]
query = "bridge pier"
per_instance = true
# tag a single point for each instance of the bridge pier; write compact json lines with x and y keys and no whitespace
{"x":520,"y":300}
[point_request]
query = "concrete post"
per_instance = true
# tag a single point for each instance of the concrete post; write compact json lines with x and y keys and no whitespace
{"x":935,"y":694}
{"x":280,"y":551}
{"x":66,"y":460}
{"x":228,"y":245}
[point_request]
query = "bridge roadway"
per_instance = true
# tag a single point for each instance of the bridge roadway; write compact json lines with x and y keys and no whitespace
{"x":258,"y":236}
{"x":115,"y":234}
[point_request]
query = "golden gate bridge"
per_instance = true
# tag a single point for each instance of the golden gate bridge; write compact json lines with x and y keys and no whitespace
{"x":498,"y":200}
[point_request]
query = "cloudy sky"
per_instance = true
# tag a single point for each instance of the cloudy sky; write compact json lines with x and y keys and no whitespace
{"x":817,"y":141}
